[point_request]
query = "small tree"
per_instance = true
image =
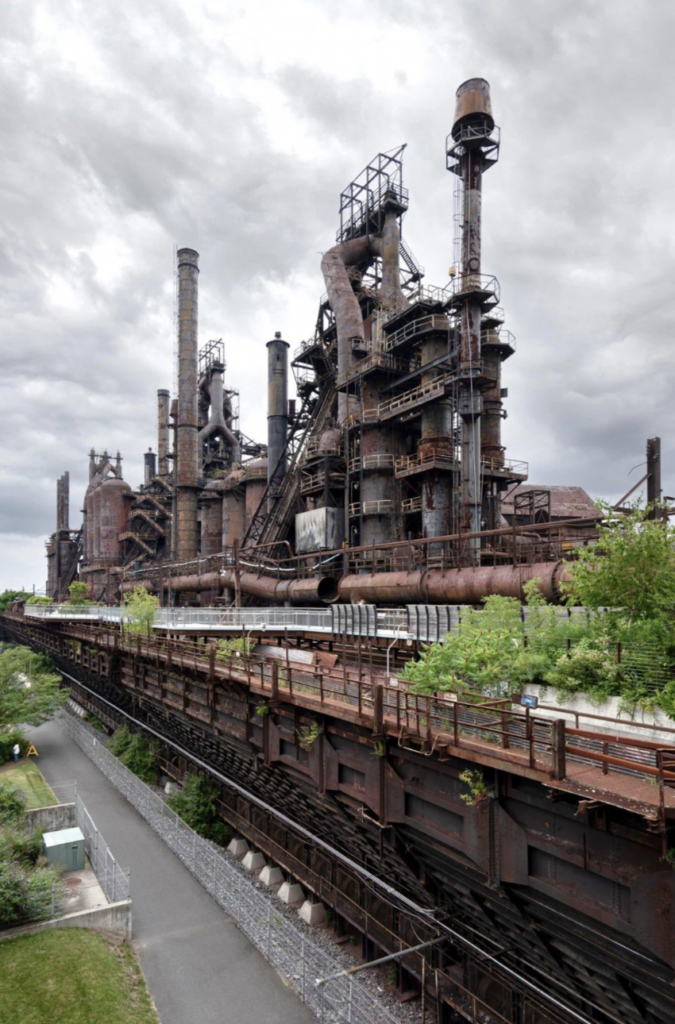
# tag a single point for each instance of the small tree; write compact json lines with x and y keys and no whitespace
{"x":141,"y":607}
{"x":78,"y":593}
{"x":632,"y":566}
{"x":30,"y":689}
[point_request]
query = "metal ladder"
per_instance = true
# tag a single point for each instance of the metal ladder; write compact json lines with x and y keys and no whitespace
{"x":272,"y":524}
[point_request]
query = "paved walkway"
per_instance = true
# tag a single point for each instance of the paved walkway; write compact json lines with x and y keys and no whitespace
{"x":199,"y":968}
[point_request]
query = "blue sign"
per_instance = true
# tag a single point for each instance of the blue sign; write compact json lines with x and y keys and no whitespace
{"x":529,"y":702}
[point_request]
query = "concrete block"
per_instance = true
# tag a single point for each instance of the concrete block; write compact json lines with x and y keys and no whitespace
{"x":313,"y":914}
{"x":238,"y":847}
{"x":170,"y":788}
{"x":291,"y":892}
{"x":253,"y":861}
{"x":271,"y":875}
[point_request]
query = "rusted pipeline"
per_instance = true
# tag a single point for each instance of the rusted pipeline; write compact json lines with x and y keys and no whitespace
{"x":452,"y":586}
{"x":315,"y":591}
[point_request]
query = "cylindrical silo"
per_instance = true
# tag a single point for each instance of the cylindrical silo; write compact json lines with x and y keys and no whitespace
{"x":277,"y":409}
{"x":114,"y":498}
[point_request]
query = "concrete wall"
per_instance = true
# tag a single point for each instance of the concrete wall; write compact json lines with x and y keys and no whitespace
{"x":115,"y":918}
{"x":52,"y":818}
{"x":609,"y":709}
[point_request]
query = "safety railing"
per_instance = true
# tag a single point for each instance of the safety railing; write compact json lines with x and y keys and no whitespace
{"x":80,"y":613}
{"x":429,"y":458}
{"x":483,"y":285}
{"x":436,"y":323}
{"x":379,"y":507}
{"x":511,"y":467}
{"x":382,"y":461}
{"x":410,"y":505}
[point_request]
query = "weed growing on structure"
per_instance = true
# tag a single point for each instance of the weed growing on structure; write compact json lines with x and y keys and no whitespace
{"x":237,"y":647}
{"x":197,"y":805}
{"x":308,"y":735}
{"x":141,"y":607}
{"x":479,"y":788}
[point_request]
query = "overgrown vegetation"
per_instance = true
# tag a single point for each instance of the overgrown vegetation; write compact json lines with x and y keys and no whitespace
{"x":7,"y":596}
{"x":8,"y":737}
{"x":78,"y":594}
{"x":308,"y":735}
{"x":197,"y":805}
{"x":136,"y":753}
{"x":624,"y":647}
{"x":27,"y":885}
{"x":30,"y":689}
{"x":236,"y":647}
{"x":141,"y":607}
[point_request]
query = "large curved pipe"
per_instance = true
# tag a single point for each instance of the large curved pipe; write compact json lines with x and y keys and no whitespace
{"x":217,"y":424}
{"x":452,"y":586}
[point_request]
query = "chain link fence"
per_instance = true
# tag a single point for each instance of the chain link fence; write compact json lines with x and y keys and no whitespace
{"x":286,"y":947}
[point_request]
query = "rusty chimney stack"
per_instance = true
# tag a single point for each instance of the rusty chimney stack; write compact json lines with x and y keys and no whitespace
{"x":150,"y":466}
{"x":187,"y":446}
{"x":277,"y":409}
{"x":63,"y":501}
{"x":163,"y":432}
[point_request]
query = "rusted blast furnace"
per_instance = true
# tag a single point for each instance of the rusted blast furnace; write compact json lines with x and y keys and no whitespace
{"x":393,"y":433}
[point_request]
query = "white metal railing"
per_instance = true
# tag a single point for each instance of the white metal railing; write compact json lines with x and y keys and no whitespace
{"x":515,"y":467}
{"x":83,"y":613}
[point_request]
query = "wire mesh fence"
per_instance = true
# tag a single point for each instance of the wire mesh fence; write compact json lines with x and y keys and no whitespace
{"x":112,"y":879}
{"x":301,"y":961}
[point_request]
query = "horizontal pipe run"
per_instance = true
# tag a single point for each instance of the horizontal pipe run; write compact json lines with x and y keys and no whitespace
{"x":321,"y":590}
{"x":452,"y":586}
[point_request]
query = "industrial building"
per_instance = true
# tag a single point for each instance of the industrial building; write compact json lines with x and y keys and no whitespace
{"x":394,"y":434}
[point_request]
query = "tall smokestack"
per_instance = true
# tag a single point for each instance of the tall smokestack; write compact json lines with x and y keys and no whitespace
{"x":63,"y":501}
{"x":150,"y":467}
{"x":187,"y":446}
{"x":163,"y":432}
{"x":277,"y":409}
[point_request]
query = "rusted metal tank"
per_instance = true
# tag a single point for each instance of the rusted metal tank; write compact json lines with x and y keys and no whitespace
{"x":211,"y":502}
{"x":114,"y":497}
{"x":255,"y":483}
{"x":472,"y":105}
{"x":452,"y":586}
{"x":94,"y":523}
{"x":233,"y":509}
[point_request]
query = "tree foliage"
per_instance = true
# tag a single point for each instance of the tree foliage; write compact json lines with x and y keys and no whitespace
{"x":78,"y":593}
{"x":136,"y":753}
{"x":30,"y":689}
{"x":141,"y":607}
{"x":197,"y":805}
{"x":632,"y":566}
{"x":7,"y":596}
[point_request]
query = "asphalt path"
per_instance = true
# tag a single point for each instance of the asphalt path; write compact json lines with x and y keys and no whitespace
{"x":199,"y":967}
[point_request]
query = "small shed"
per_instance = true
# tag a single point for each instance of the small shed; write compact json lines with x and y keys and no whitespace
{"x":65,"y":847}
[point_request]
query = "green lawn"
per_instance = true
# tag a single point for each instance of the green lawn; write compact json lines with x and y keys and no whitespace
{"x":72,"y":976}
{"x":28,"y":778}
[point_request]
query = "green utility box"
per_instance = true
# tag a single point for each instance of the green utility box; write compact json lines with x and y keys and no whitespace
{"x":65,"y":847}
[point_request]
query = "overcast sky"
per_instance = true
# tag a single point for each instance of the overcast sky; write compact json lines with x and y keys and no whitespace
{"x":131,"y":127}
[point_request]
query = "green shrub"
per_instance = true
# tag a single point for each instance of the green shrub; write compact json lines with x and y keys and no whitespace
{"x":8,"y":737}
{"x":26,"y":893}
{"x":19,"y":846}
{"x":12,"y":805}
{"x":197,"y":805}
{"x":135,"y":752}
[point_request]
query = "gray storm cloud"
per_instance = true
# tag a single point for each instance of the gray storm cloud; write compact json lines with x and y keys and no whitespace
{"x":125,"y":133}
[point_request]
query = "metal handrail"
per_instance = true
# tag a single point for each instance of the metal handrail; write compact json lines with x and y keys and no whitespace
{"x":434,"y":322}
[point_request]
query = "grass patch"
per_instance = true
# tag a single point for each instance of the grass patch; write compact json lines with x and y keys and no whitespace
{"x":28,"y":778}
{"x":72,"y":976}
